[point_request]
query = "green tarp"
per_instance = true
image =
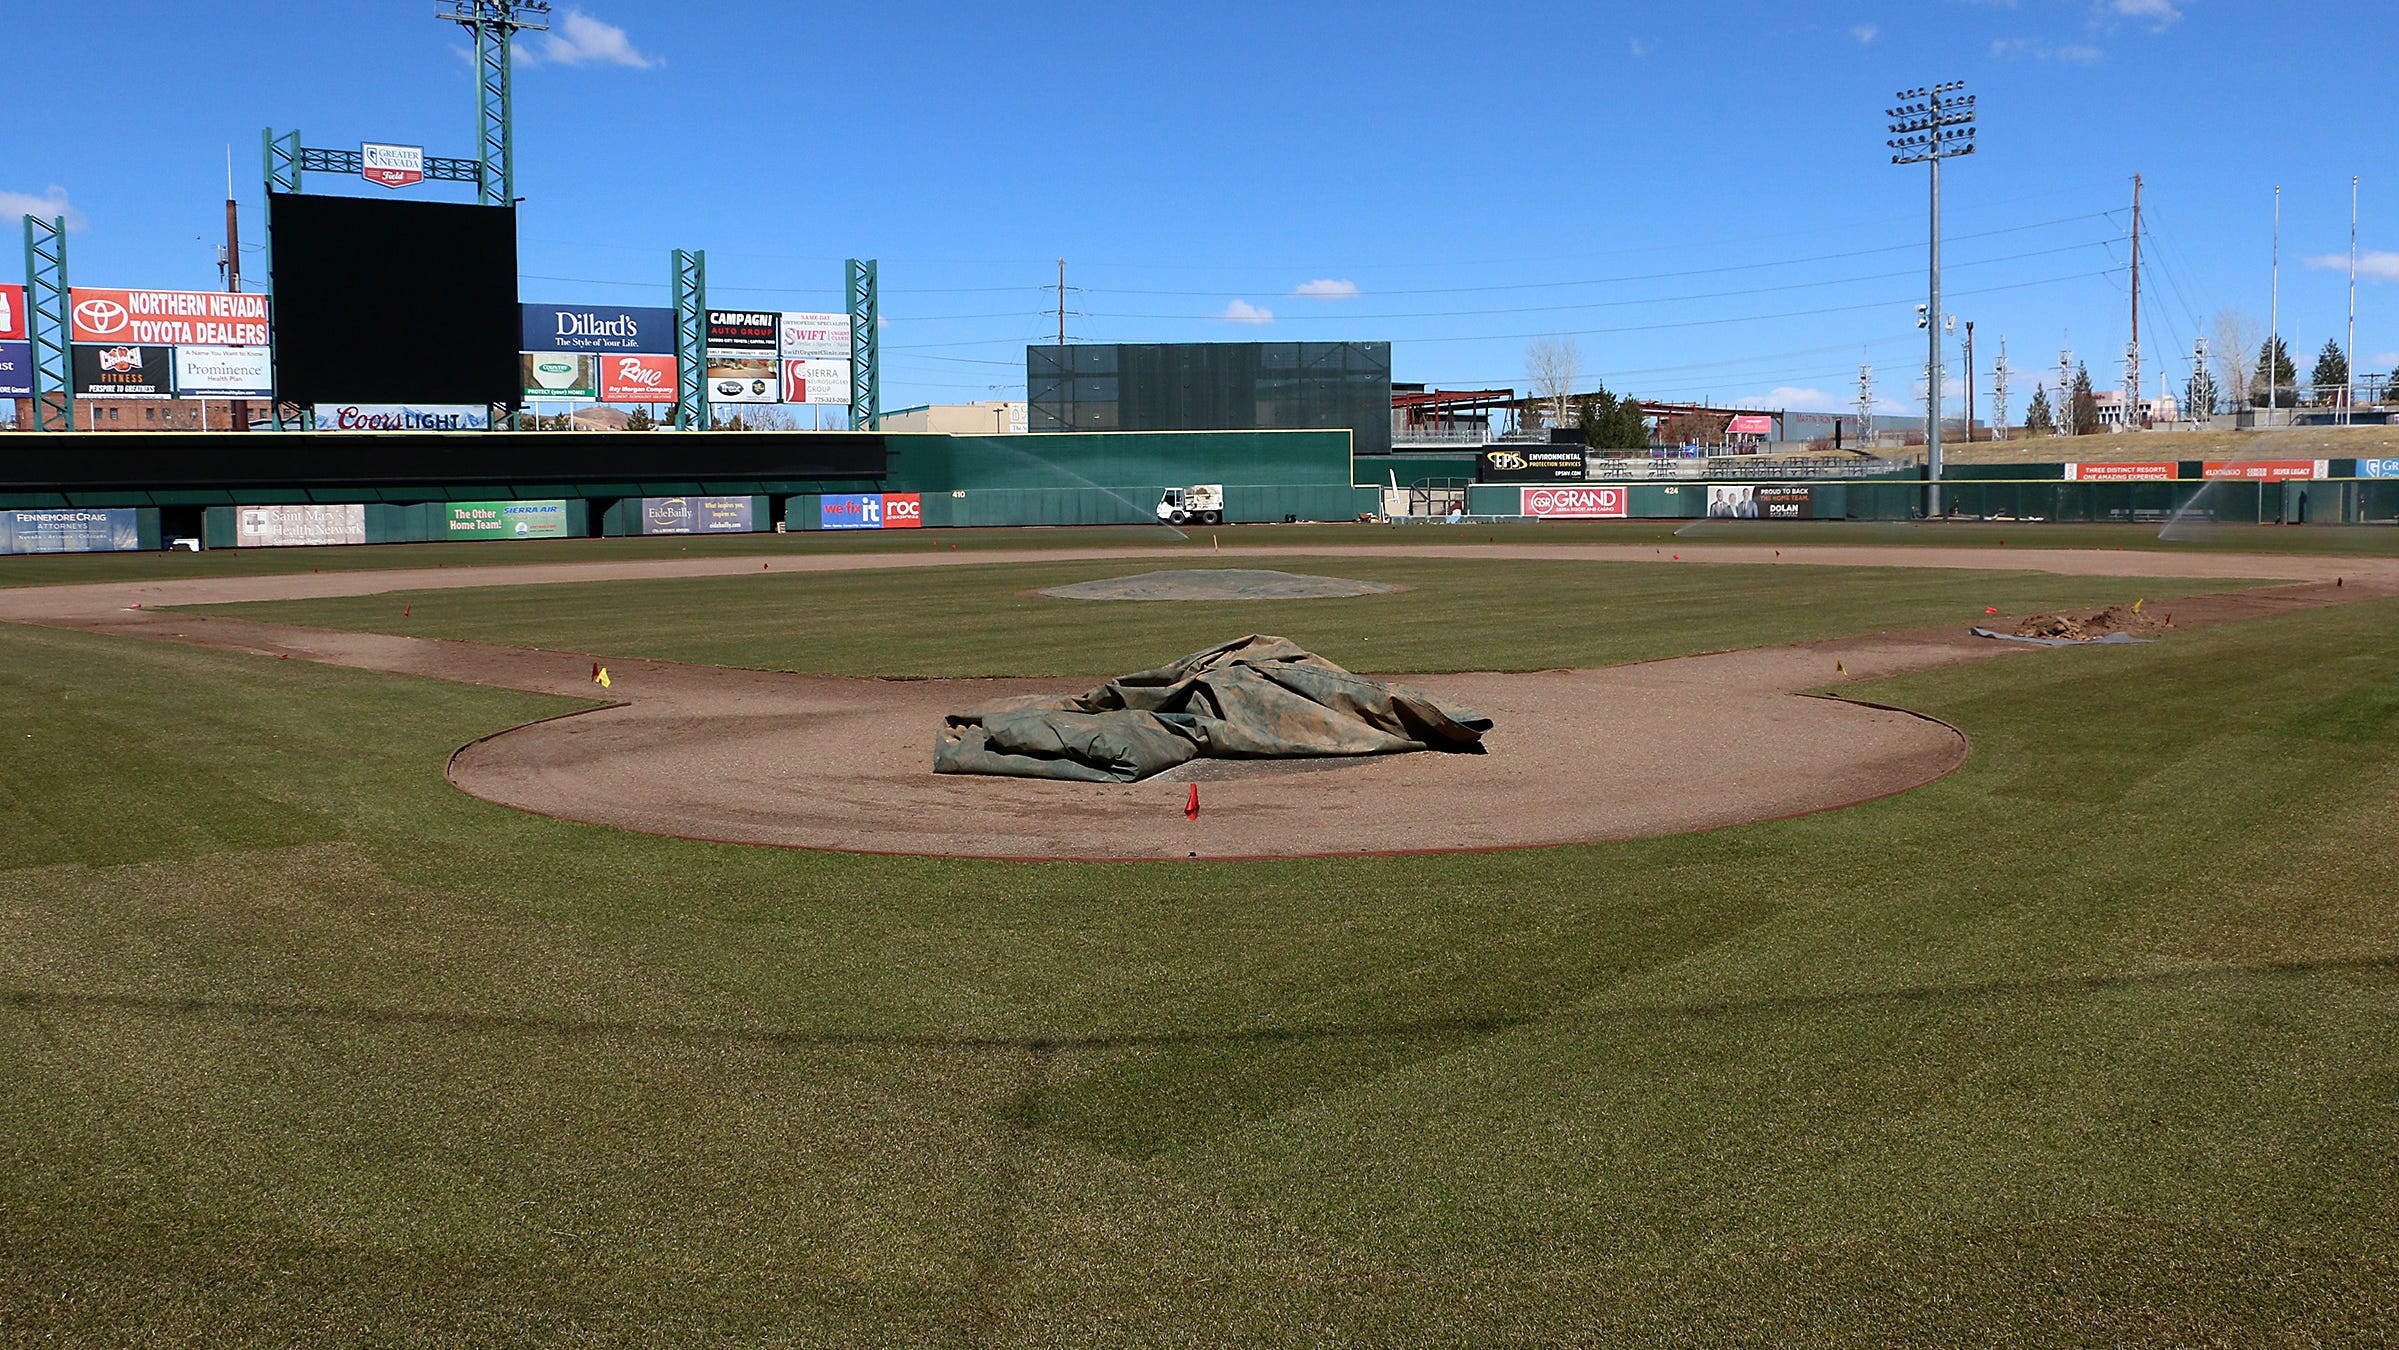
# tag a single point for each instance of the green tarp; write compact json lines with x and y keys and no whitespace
{"x":1258,"y":698}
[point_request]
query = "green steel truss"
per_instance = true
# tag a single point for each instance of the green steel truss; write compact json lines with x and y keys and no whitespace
{"x":866,"y":367}
{"x":495,"y":24}
{"x":688,"y":284}
{"x":46,"y":323}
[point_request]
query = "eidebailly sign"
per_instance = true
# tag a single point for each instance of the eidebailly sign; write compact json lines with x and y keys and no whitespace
{"x":598,"y":328}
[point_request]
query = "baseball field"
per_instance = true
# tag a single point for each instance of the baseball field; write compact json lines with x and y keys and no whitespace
{"x":1794,"y":969}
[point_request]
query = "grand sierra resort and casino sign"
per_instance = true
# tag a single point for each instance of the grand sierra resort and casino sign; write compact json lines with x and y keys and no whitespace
{"x":1575,"y":503}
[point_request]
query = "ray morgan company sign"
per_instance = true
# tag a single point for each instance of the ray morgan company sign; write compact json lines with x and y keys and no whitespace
{"x":597,"y":328}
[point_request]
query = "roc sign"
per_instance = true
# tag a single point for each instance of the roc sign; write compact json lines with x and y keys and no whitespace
{"x":1575,"y":503}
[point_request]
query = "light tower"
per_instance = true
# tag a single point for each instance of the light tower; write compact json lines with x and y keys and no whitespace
{"x":1866,"y":405}
{"x":495,"y":24}
{"x":1999,"y":394}
{"x":1928,"y":126}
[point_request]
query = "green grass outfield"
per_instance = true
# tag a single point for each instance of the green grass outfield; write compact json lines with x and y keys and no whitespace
{"x":54,"y":569}
{"x":963,"y":621}
{"x":2093,"y":1042}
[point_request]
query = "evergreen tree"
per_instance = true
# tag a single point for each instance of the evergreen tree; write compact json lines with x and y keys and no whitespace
{"x":2331,"y":376}
{"x":640,"y":420}
{"x":2280,"y":388}
{"x":1631,"y":430}
{"x":2038,"y":421}
{"x":2082,"y":406}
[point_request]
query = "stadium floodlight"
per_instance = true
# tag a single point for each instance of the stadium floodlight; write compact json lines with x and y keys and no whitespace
{"x":1929,"y":125}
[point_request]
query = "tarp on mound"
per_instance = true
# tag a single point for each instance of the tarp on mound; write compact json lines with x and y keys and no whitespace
{"x":1258,"y":698}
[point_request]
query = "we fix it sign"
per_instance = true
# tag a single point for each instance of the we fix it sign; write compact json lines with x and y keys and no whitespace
{"x":394,"y":166}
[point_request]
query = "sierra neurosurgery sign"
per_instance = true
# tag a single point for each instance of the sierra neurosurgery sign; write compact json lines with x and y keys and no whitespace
{"x":597,"y":328}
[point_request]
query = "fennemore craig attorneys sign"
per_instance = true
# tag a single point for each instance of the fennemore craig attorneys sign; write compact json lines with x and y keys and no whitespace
{"x":1575,"y":503}
{"x":168,"y":318}
{"x":597,"y":328}
{"x":71,"y":530}
{"x":403,"y":417}
{"x":506,"y":520}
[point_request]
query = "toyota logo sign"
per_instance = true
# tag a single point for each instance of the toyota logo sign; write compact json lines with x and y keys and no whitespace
{"x":101,"y":316}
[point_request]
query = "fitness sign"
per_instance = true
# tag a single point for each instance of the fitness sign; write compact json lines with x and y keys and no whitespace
{"x":1574,"y":503}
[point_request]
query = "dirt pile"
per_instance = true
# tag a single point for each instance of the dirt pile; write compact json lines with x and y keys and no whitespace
{"x":2126,"y":619}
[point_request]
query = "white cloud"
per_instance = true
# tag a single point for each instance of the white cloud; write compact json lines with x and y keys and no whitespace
{"x":1325,"y":288}
{"x":1242,"y":311}
{"x":50,"y":205}
{"x":580,"y":39}
{"x":1865,"y":33}
{"x":2371,"y":266}
{"x":2072,"y":53}
{"x":1639,"y":48}
{"x":1793,"y":399}
{"x":2388,"y":360}
{"x":2161,"y":13}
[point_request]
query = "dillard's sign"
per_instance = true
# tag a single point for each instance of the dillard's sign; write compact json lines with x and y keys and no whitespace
{"x":597,"y":328}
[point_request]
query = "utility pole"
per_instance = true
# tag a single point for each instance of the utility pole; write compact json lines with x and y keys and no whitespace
{"x":2132,"y":350}
{"x":238,"y":418}
{"x":2274,"y":318}
{"x":1866,"y":405}
{"x":2349,"y":348}
{"x":1062,"y":309}
{"x":2063,"y":414}
{"x":1938,"y":125}
{"x":1999,"y":393}
{"x":1969,"y":381}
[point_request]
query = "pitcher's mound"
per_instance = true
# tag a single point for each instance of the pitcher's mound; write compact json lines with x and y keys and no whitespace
{"x":1219,"y":583}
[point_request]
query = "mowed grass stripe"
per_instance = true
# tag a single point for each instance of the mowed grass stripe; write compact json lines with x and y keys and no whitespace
{"x":2089,"y":1041}
{"x":963,"y":622}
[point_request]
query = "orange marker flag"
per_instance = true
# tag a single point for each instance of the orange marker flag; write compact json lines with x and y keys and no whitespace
{"x":1988,"y":609}
{"x":404,"y":609}
{"x":1191,"y":807}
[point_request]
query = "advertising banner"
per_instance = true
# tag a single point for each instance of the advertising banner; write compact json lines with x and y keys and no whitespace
{"x":1750,"y":424}
{"x":637,"y":379}
{"x":1580,"y":503}
{"x":1529,"y":464}
{"x":814,"y":337}
{"x":903,"y":511}
{"x":394,"y":166}
{"x":507,"y":520}
{"x":697,"y":515}
{"x":1786,"y":503}
{"x":109,"y":530}
{"x":16,"y":370}
{"x":1732,"y":501}
{"x":12,"y":314}
{"x":2264,"y":470}
{"x":2378,"y":468}
{"x":597,"y":328}
{"x":222,"y":372}
{"x":745,"y":331}
{"x":403,"y":417}
{"x":124,"y":372}
{"x":816,"y":381}
{"x":2121,"y":473}
{"x":298,"y":526}
{"x":561,"y":375}
{"x":850,"y":511}
{"x":168,"y":318}
{"x":743,"y":379}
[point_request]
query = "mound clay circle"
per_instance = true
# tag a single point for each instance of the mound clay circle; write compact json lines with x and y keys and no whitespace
{"x":1220,"y":583}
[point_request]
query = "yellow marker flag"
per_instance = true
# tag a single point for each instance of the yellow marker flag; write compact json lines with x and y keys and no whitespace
{"x":2136,"y":605}
{"x":601,"y":679}
{"x":1839,"y":668}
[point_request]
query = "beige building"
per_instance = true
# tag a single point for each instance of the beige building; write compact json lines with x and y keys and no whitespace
{"x":959,"y":419}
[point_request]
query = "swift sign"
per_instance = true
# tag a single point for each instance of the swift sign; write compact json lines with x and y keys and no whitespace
{"x":814,"y":337}
{"x":168,"y":318}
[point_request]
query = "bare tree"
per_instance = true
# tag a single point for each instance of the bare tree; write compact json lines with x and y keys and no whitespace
{"x":2233,"y":339}
{"x":1550,"y":365}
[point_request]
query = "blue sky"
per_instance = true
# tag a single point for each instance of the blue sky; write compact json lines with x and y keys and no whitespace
{"x":1699,"y":194}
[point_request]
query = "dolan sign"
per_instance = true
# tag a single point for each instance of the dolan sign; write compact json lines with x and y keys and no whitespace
{"x":1575,"y":503}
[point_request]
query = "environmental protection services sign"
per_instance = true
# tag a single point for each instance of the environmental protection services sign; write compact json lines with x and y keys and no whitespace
{"x":506,"y":520}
